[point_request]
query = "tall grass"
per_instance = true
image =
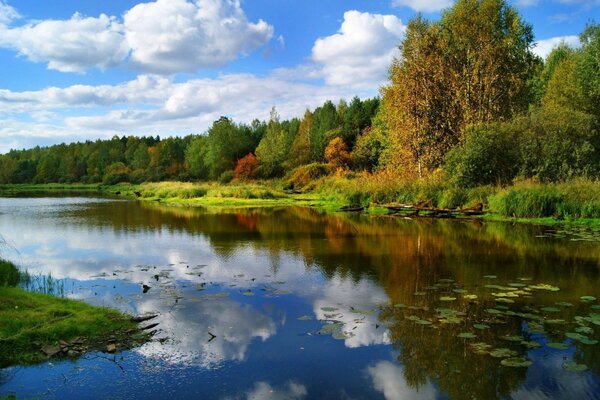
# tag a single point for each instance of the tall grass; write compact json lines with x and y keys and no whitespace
{"x":386,"y":187}
{"x":575,"y":199}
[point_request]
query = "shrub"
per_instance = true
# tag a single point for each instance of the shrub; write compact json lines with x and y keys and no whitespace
{"x":303,"y":175}
{"x":246,"y":167}
{"x":226,"y":177}
{"x":487,"y":155}
{"x":557,"y":144}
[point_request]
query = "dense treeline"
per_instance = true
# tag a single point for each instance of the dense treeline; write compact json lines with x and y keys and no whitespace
{"x":467,"y":97}
{"x":276,"y":146}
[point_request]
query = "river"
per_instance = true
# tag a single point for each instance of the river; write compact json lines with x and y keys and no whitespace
{"x":292,"y":303}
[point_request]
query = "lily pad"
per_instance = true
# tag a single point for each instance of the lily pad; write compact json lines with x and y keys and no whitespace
{"x":545,"y":286}
{"x":558,"y":346}
{"x":470,"y":296}
{"x":564,"y":304}
{"x":305,"y":318}
{"x":248,"y":293}
{"x":584,"y":329}
{"x":504,"y":300}
{"x":516,"y":362}
{"x":399,"y":305}
{"x":512,"y":338}
{"x":517,"y":285}
{"x":459,"y":291}
{"x":481,"y":348}
{"x":587,"y":299}
{"x":467,"y":335}
{"x":572,"y":366}
{"x":490,"y":276}
{"x":503,"y":352}
{"x":420,"y":293}
{"x":531,"y":344}
{"x":481,"y":326}
{"x":447,"y":298}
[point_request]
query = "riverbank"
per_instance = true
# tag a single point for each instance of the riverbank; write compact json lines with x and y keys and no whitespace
{"x":575,"y":202}
{"x":35,"y":327}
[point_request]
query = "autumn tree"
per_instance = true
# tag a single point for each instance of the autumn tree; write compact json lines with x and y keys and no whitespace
{"x":336,"y":153}
{"x":472,"y":66}
{"x":246,"y":167}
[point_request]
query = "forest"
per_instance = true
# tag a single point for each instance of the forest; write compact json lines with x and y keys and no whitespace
{"x":467,"y":102}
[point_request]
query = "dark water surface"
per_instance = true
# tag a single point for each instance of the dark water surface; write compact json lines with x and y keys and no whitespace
{"x":307,"y":305}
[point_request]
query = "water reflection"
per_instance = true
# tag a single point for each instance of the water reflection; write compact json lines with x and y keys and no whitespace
{"x":266,"y":282}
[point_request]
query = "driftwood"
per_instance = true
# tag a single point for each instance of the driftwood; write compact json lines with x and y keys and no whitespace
{"x":352,"y":208}
{"x":426,"y":208}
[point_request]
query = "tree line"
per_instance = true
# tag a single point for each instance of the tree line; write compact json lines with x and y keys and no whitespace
{"x":467,"y":96}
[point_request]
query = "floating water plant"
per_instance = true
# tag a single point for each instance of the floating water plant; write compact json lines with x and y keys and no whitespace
{"x":572,"y":366}
{"x":447,"y":298}
{"x":557,"y":346}
{"x":503,"y":353}
{"x":516,"y":362}
{"x":544,"y":286}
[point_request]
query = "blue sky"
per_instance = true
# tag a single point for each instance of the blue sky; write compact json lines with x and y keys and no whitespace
{"x":72,"y":71}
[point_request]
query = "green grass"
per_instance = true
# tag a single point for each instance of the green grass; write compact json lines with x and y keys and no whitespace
{"x":562,"y":201}
{"x":29,"y":321}
{"x":575,"y":201}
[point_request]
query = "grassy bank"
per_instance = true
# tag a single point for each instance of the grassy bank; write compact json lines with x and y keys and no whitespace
{"x":577,"y":201}
{"x":35,"y":327}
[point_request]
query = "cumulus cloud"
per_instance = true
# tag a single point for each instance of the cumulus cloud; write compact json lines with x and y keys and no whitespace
{"x":423,"y":5}
{"x":7,"y":13}
{"x":169,"y":36}
{"x":264,"y":390}
{"x":74,"y":45}
{"x":165,"y":36}
{"x":362,"y":50}
{"x":544,"y":47}
{"x":388,"y":379}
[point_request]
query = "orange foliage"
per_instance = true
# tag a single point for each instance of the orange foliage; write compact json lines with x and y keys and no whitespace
{"x":245,"y":168}
{"x":336,"y":153}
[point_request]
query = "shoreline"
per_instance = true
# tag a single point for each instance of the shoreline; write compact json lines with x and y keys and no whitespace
{"x":247,"y":195}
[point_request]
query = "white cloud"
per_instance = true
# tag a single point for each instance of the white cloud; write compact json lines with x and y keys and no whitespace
{"x":263,"y":390}
{"x":388,"y":379}
{"x":361,"y":51}
{"x":170,"y":36}
{"x":544,"y":47}
{"x":7,"y":13}
{"x":74,"y":45}
{"x":423,"y":5}
{"x":526,"y":3}
{"x":165,"y":36}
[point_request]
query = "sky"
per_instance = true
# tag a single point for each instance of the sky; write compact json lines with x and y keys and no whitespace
{"x":86,"y":70}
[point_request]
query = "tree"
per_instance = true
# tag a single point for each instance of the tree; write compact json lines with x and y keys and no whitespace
{"x":226,"y":143}
{"x":273,"y":150}
{"x":472,"y":66}
{"x":336,"y":153}
{"x":246,"y":167}
{"x":300,"y":150}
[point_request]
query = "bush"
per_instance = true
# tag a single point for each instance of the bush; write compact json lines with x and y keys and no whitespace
{"x":226,"y":177}
{"x":246,"y":167}
{"x":575,"y":199}
{"x":557,"y":145}
{"x":303,"y":175}
{"x":114,"y":178}
{"x":489,"y":154}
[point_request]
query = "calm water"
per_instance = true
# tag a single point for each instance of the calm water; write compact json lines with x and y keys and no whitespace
{"x":306,"y":305}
